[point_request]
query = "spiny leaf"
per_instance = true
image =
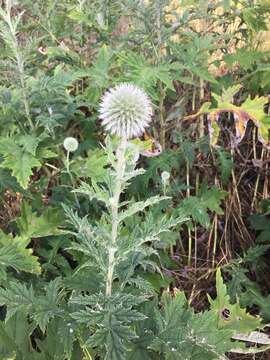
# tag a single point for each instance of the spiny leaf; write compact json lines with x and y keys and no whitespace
{"x":14,"y":254}
{"x":52,"y":346}
{"x":29,"y":143}
{"x":47,"y":307}
{"x":229,"y":93}
{"x":140,"y":206}
{"x":93,"y":192}
{"x":8,"y":182}
{"x":67,"y":336}
{"x":93,"y":166}
{"x":15,"y":337}
{"x":17,"y":298}
{"x":21,"y":164}
{"x":181,"y":332}
{"x":198,"y":206}
{"x":146,"y":75}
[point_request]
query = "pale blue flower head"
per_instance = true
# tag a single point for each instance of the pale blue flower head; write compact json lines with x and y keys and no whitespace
{"x":125,"y":111}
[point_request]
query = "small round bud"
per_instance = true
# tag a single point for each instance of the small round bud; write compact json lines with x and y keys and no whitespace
{"x":71,"y":144}
{"x":165,"y":176}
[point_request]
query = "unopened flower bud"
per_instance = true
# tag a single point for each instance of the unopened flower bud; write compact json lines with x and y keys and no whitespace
{"x":165,"y":176}
{"x":71,"y":144}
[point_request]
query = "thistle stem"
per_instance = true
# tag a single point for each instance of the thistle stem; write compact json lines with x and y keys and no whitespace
{"x":120,"y":171}
{"x":71,"y":177}
{"x":67,"y":162}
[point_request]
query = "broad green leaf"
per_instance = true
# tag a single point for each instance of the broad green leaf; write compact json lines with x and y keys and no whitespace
{"x":47,"y":307}
{"x":33,"y":226}
{"x":19,"y":259}
{"x":198,"y":206}
{"x":67,"y":335}
{"x":44,"y":152}
{"x":7,"y":146}
{"x":182,"y":334}
{"x":94,"y":192}
{"x":29,"y":143}
{"x":145,"y":74}
{"x":15,"y":337}
{"x":8,"y":182}
{"x":13,"y":254}
{"x":21,"y":164}
{"x":229,"y":93}
{"x":93,"y":166}
{"x":261,"y":223}
{"x":52,"y":346}
{"x":17,"y":298}
{"x":253,"y":296}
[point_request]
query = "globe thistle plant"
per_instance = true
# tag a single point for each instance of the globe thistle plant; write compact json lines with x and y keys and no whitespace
{"x":125,"y":111}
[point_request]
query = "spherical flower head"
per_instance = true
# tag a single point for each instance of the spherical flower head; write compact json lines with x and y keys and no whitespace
{"x":125,"y":111}
{"x":71,"y":144}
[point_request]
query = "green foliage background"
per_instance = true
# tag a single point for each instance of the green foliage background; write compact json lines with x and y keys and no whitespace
{"x":208,"y":76}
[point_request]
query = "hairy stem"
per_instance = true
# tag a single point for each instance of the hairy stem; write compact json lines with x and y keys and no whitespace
{"x":71,"y":178}
{"x":120,"y":171}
